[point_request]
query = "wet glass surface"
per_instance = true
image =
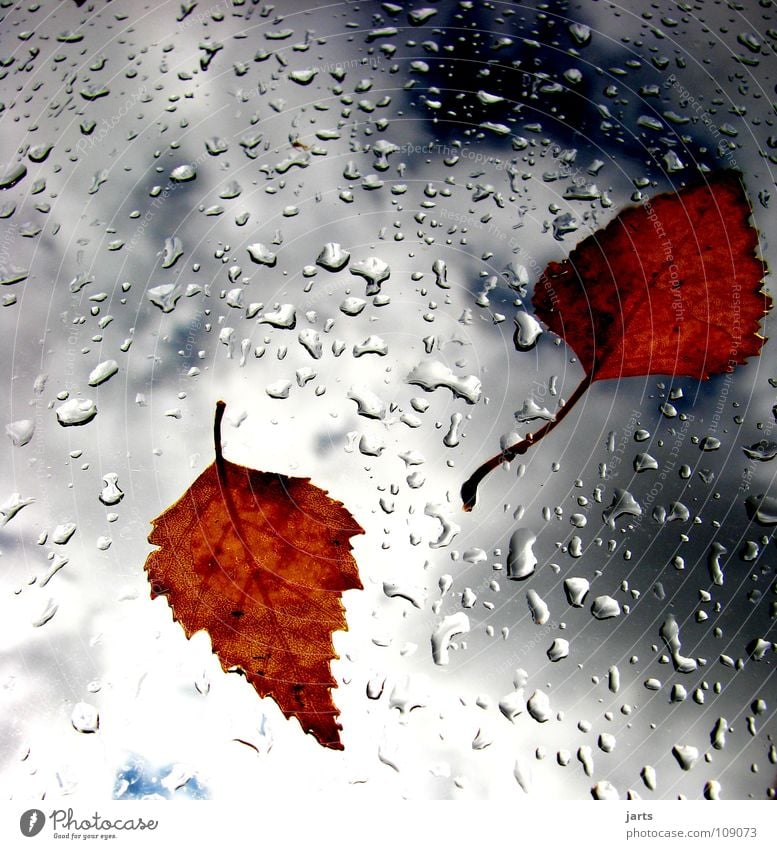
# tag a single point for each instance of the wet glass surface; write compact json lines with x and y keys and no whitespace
{"x":332,"y":219}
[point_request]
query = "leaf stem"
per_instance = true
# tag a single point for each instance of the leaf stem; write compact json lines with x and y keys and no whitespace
{"x":220,"y":407}
{"x":469,"y":490}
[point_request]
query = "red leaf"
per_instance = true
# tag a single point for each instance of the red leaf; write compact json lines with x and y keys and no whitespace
{"x":259,"y":561}
{"x":670,"y":287}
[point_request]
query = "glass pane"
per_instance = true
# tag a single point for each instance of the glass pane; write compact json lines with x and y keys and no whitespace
{"x":333,"y":219}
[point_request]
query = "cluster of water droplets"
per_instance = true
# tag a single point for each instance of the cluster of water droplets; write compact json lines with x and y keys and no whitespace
{"x":342,"y":245}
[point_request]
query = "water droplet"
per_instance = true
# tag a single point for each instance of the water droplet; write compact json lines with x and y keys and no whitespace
{"x":368,"y":404}
{"x":644,"y":462}
{"x":483,"y":739}
{"x":102,"y":372}
{"x":758,"y":648}
{"x":451,"y":626}
{"x":371,"y":345}
{"x":76,"y":412}
{"x":764,"y":450}
{"x":432,"y":374}
{"x":440,"y":270}
{"x":215,"y":145}
{"x":449,"y":528}
{"x":537,"y":607}
{"x":538,"y":706}
{"x":165,"y":296}
{"x":531,"y":411}
{"x":521,"y":561}
{"x":13,"y":275}
{"x":261,"y":254}
{"x":580,"y":32}
{"x":414,"y":594}
{"x":585,"y":756}
{"x":46,"y":615}
{"x":372,"y":444}
{"x":623,"y":504}
{"x":183,"y":173}
{"x":606,"y":742}
{"x":375,"y":686}
{"x":373,"y":270}
{"x":311,"y":341}
{"x":58,"y":562}
{"x":559,"y":649}
{"x":451,"y":438}
{"x":279,"y":389}
{"x":522,"y":773}
{"x":15,"y":174}
{"x":284,"y":316}
{"x":85,"y":718}
{"x":576,"y":589}
{"x":333,"y":257}
{"x":468,"y":598}
{"x":111,"y":493}
{"x":686,"y":756}
{"x":670,"y":634}
{"x":475,"y":556}
{"x":62,"y":533}
{"x":716,"y":570}
{"x":718,"y":734}
{"x":352,"y":306}
{"x":563,"y":224}
{"x":604,"y":790}
{"x":20,"y":432}
{"x":512,"y":705}
{"x":648,"y":775}
{"x":762,"y":509}
{"x":605,"y":607}
{"x":527,"y":331}
{"x":614,"y":679}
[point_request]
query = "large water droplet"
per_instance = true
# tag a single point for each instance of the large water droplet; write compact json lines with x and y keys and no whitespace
{"x":76,"y":411}
{"x":432,"y":374}
{"x":20,"y":432}
{"x":527,"y":331}
{"x":521,"y":561}
{"x":605,"y":607}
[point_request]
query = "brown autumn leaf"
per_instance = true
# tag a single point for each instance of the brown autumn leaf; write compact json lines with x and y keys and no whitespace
{"x":259,"y":560}
{"x":671,"y":287}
